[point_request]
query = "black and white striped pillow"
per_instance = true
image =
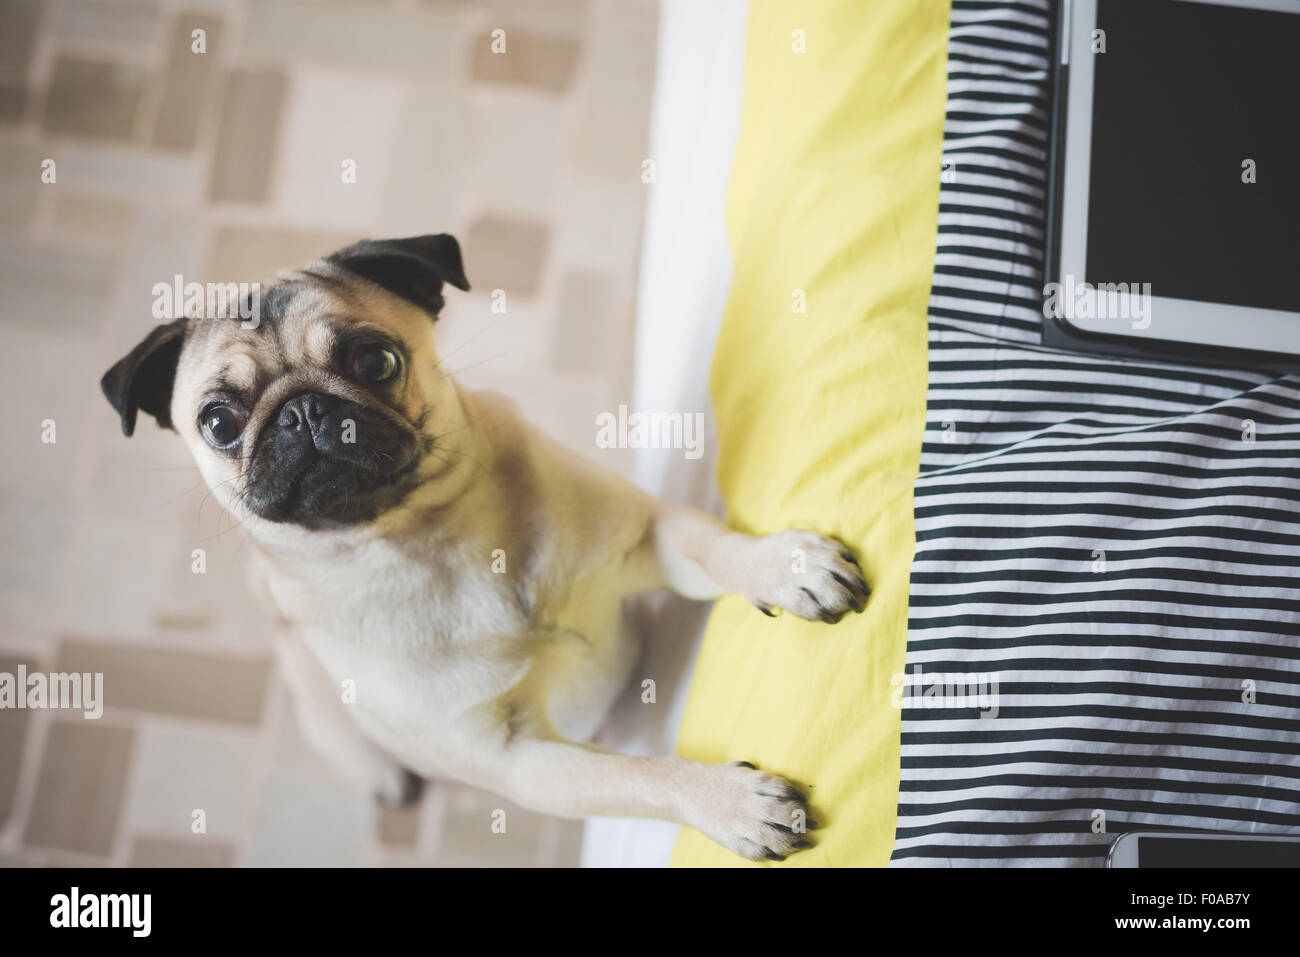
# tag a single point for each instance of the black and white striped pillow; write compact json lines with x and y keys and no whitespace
{"x":1115,"y":542}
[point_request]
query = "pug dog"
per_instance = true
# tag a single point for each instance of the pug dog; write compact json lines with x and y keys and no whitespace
{"x":462,"y":571}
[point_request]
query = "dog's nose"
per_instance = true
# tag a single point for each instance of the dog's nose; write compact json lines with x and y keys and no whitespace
{"x":306,"y":413}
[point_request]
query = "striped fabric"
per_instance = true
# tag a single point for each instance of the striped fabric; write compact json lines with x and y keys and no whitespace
{"x":1115,"y":543}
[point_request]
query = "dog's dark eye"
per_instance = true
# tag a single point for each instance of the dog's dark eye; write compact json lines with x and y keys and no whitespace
{"x":221,"y":424}
{"x":375,"y":363}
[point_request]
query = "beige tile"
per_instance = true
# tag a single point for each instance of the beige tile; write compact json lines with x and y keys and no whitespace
{"x":600,"y":221}
{"x":80,"y":787}
{"x":173,"y":620}
{"x":189,"y":82}
{"x":164,"y":681}
{"x":362,"y":36}
{"x":247,"y":136}
{"x":52,"y":289}
{"x":215,"y":606}
{"x":134,"y":479}
{"x":614,"y":133}
{"x":468,"y":838}
{"x":131,"y":174}
{"x":565,"y":845}
{"x":255,"y":254}
{"x":498,"y":351}
{"x":108,"y":580}
{"x":21,"y":19}
{"x":129,"y":495}
{"x":20,"y":184}
{"x":246,"y":630}
{"x":131,"y":26}
{"x":331,"y":118}
{"x":52,"y":375}
{"x":427,"y":167}
{"x":166,"y":242}
{"x":505,"y":253}
{"x":13,"y":104}
{"x":179,"y":770}
{"x":35,"y":529}
{"x":517,"y":146}
{"x":399,"y":827}
{"x":181,"y":852}
{"x":566,"y":408}
{"x":92,"y":99}
{"x":308,"y":814}
{"x":530,"y":60}
{"x":93,"y":221}
{"x":209,"y":611}
{"x":13,"y":736}
{"x":563,"y":17}
{"x":589,"y":315}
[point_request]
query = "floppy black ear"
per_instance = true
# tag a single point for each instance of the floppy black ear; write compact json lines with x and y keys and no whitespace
{"x":413,"y":268}
{"x":143,"y":380}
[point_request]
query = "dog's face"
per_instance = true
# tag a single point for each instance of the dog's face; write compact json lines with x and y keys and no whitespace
{"x":327,"y":412}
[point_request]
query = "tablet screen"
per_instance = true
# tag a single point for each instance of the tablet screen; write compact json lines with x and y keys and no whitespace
{"x":1189,"y":852}
{"x":1183,"y":95}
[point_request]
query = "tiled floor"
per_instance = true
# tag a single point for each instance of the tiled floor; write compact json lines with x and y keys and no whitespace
{"x":226,"y":163}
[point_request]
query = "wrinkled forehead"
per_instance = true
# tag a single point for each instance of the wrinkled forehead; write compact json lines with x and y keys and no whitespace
{"x":299,"y":322}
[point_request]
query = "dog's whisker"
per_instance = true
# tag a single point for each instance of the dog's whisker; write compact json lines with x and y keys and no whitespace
{"x":176,"y":498}
{"x":475,"y":365}
{"x":487,"y":326}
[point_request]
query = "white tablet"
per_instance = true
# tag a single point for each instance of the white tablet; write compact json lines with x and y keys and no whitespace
{"x":1179,"y":172}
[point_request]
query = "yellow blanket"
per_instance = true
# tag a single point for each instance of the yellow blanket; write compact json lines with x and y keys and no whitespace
{"x":819,"y":385}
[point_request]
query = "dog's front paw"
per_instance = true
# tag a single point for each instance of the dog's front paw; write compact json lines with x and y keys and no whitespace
{"x":756,"y":815}
{"x":810,"y":575}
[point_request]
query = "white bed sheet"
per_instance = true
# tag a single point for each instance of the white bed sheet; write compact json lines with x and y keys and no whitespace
{"x":684,"y":281}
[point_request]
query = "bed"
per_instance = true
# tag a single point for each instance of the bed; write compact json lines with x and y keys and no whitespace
{"x":1107,"y":548}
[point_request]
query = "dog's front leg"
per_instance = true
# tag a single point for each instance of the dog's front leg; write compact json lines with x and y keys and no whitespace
{"x":756,"y":815}
{"x":811,"y":575}
{"x":332,"y":731}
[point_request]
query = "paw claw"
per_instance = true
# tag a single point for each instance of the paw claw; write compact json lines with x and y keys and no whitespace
{"x":757,"y":815}
{"x":826,"y":586}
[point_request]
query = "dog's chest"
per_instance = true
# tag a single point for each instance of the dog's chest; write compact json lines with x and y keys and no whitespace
{"x":421,"y":641}
{"x":387,"y":604}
